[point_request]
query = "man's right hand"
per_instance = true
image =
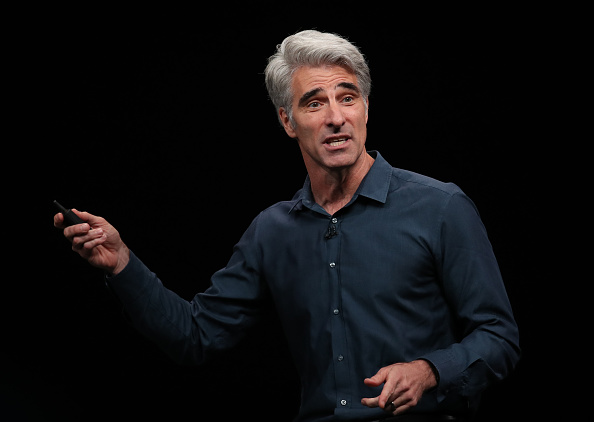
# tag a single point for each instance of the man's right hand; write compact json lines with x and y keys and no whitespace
{"x":97,"y":241}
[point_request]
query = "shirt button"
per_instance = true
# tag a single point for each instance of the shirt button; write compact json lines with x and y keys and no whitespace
{"x":340,"y":358}
{"x":332,"y":264}
{"x":343,"y":402}
{"x":334,"y":220}
{"x":336,"y":312}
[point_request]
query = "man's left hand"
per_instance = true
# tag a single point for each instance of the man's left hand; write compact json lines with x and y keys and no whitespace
{"x":404,"y":384}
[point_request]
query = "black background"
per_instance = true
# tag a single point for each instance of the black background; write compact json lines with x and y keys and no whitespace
{"x":166,"y":130}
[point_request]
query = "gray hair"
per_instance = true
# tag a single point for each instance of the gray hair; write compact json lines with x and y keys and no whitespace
{"x":311,"y":48}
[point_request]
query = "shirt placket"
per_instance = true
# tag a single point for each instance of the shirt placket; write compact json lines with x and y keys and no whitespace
{"x":339,"y":345}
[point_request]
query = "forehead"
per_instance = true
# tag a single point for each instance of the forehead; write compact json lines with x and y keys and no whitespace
{"x":327,"y":77}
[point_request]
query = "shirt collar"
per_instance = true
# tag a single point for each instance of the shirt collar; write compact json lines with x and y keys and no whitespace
{"x":375,"y":185}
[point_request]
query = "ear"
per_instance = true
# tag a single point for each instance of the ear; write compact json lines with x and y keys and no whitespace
{"x":284,"y":118}
{"x":367,"y":110}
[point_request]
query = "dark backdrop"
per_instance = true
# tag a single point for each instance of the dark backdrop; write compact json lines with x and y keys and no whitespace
{"x":168,"y":133}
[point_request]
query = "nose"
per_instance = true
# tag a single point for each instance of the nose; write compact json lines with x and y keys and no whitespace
{"x":334,"y":116}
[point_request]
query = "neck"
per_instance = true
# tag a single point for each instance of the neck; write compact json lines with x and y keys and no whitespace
{"x":333,"y":188}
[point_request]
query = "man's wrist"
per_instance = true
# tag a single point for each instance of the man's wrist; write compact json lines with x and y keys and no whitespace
{"x":435,"y":378}
{"x":123,"y":260}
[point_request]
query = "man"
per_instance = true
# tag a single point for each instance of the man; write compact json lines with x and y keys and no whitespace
{"x":384,"y":280}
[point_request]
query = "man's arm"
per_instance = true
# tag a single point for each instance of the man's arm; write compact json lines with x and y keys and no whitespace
{"x":488,"y":348}
{"x":189,"y":332}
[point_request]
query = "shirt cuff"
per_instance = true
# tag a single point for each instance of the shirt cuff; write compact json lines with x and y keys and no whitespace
{"x":130,"y":283}
{"x":449,"y":371}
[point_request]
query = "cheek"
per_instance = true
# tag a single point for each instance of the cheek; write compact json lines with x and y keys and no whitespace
{"x":307,"y":128}
{"x":359,"y":120}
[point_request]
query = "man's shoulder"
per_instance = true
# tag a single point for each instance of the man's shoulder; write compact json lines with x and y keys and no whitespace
{"x":411,"y":180}
{"x":277,"y":212}
{"x":281,"y":207}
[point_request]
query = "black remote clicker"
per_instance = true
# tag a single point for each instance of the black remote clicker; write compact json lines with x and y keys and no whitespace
{"x":70,"y":218}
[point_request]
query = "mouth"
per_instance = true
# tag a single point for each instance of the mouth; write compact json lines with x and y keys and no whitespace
{"x":336,"y":140}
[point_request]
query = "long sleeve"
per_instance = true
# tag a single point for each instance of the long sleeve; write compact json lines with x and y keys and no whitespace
{"x":190,"y":331}
{"x":473,"y":287}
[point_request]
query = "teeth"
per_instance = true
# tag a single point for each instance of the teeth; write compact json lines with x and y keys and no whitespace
{"x":337,"y":142}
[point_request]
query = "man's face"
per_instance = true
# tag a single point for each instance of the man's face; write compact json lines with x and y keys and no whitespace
{"x":330,"y":116}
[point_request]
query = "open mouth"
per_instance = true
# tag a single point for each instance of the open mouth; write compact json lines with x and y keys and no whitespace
{"x":337,"y":140}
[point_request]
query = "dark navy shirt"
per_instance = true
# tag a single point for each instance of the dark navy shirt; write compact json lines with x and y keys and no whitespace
{"x":404,"y":271}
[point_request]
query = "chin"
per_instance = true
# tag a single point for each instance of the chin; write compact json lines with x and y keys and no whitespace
{"x":340,"y":162}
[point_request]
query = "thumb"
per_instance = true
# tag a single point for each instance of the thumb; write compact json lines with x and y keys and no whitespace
{"x":87,"y":217}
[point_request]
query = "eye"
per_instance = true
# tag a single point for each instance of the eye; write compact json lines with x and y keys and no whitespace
{"x":348,"y":99}
{"x":314,"y":104}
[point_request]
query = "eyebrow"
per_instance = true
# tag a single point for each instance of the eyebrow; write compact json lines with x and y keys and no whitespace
{"x":349,"y":85}
{"x":305,"y":97}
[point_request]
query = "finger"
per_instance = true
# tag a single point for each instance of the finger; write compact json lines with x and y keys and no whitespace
{"x":76,"y":230}
{"x":95,"y":242}
{"x":400,"y":404}
{"x":390,"y":408}
{"x":93,"y":220}
{"x":80,"y":241}
{"x":404,"y":399}
{"x":388,"y":392}
{"x":59,"y":220}
{"x":374,"y":381}
{"x":379,"y":401}
{"x":370,"y":402}
{"x":378,"y":379}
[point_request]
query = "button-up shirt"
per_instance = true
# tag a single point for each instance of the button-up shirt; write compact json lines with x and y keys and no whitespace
{"x":404,"y":271}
